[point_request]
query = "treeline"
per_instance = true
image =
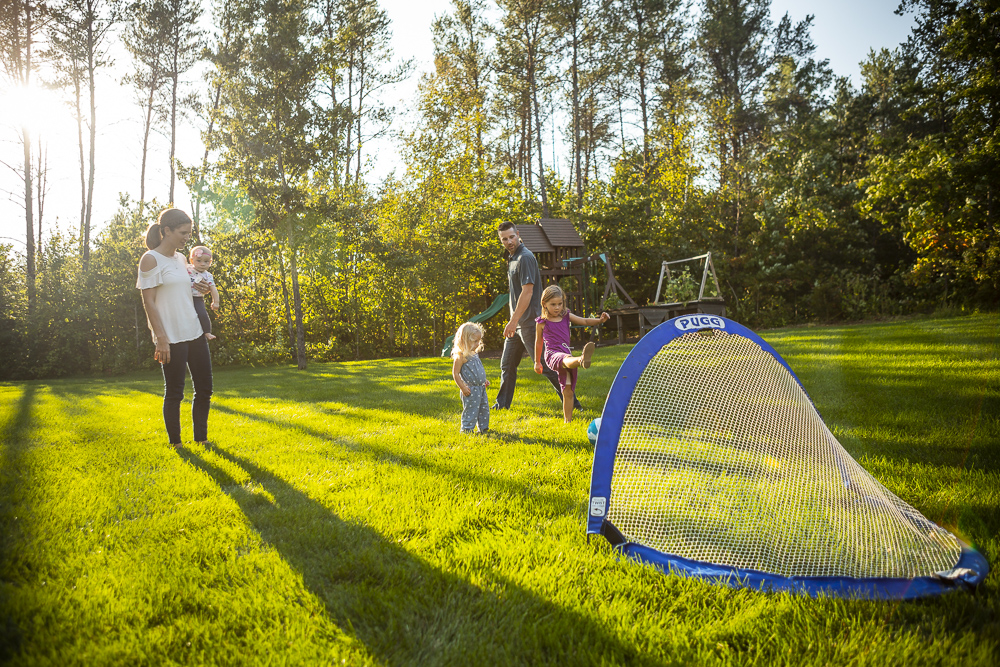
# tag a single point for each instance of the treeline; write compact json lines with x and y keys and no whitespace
{"x":681,"y":129}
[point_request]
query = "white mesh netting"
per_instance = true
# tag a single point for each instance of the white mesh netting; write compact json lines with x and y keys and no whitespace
{"x":722,"y":458}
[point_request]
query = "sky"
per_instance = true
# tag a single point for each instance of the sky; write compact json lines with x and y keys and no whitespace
{"x":844,"y":32}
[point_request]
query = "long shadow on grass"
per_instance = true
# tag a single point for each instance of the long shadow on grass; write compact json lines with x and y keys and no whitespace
{"x":12,"y":480}
{"x":582,"y":443}
{"x":557,"y":503}
{"x":402,"y":608}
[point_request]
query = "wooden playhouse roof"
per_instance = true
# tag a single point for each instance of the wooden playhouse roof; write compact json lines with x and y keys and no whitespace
{"x":549,"y":234}
{"x":561,"y":232}
{"x":534,"y":239}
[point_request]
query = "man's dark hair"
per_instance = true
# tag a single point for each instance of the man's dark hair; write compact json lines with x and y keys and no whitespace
{"x":504,"y":226}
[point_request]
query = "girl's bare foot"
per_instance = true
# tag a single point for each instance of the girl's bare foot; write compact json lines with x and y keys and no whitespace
{"x":588,"y":352}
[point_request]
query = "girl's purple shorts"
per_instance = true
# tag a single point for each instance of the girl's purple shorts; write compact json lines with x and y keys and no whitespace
{"x":554,"y":360}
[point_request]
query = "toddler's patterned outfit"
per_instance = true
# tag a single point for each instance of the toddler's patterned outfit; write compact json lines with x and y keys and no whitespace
{"x":475,"y":406}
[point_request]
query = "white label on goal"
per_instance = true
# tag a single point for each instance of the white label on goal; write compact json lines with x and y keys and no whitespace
{"x":597,"y":506}
{"x":695,"y":322}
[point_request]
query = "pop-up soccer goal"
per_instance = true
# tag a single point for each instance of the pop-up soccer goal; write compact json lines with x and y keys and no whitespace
{"x":712,"y":461}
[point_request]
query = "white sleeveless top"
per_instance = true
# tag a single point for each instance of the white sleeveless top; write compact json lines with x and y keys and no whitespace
{"x":174,"y":301}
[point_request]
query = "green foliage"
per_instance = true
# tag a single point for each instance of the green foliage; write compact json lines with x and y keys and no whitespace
{"x":13,"y":304}
{"x":681,"y":287}
{"x":819,"y":201}
{"x":939,"y":189}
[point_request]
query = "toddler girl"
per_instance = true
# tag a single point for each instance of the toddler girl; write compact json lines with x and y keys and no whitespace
{"x":201,"y":260}
{"x":470,"y":376}
{"x":552,"y":329}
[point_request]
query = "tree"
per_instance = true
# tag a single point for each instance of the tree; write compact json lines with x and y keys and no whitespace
{"x":184,"y":45}
{"x":738,"y":49}
{"x":145,"y":37}
{"x":940,"y":188}
{"x":13,"y":359}
{"x":578,"y":22}
{"x":454,"y":99}
{"x":21,"y":22}
{"x":223,"y":52}
{"x":650,"y":47}
{"x":67,"y":58}
{"x":80,"y":31}
{"x":365,"y":43}
{"x":269,"y":127}
{"x":525,"y":45}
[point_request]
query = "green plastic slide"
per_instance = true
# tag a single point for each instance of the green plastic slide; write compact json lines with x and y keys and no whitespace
{"x":500,"y":303}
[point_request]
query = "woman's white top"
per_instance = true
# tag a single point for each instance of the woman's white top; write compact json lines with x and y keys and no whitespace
{"x":174,"y":301}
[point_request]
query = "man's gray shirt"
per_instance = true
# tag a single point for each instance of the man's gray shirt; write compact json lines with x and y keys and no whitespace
{"x":522,"y":268}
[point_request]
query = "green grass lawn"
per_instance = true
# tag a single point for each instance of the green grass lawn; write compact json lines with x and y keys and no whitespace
{"x":342,"y":518}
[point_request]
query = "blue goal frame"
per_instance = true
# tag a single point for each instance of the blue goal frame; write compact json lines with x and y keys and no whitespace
{"x":970,"y":570}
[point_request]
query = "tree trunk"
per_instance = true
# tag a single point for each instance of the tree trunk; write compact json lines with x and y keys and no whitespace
{"x":538,"y":128}
{"x":83,"y":167}
{"x":300,"y":340}
{"x":29,"y":241}
{"x":361,"y":94}
{"x":41,"y":185}
{"x":643,"y":102}
{"x":91,"y":67}
{"x":350,"y":124}
{"x":284,"y":294}
{"x":576,"y":112}
{"x":196,"y":227}
{"x":173,"y":123}
{"x":145,"y":147}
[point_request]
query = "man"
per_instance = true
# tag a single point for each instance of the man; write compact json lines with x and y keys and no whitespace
{"x":525,"y":284}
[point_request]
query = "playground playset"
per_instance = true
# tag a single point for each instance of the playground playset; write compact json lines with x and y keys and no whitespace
{"x":589,"y":282}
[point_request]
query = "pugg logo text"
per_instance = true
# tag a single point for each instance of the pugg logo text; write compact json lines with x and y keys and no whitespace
{"x":693,"y":322}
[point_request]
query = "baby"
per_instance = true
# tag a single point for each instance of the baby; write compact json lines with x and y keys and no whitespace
{"x":201,"y":260}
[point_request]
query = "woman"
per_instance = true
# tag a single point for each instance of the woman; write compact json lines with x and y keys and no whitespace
{"x":177,"y":332}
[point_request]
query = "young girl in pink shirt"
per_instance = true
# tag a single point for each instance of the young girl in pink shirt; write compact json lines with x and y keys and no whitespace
{"x":552,"y":330}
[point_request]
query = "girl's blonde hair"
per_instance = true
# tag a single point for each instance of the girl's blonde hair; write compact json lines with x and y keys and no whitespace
{"x":462,"y":347}
{"x":549,"y":293}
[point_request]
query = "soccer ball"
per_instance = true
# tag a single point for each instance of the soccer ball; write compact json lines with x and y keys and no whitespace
{"x":592,"y":430}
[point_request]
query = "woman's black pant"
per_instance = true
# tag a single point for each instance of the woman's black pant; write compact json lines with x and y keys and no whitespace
{"x":193,"y":355}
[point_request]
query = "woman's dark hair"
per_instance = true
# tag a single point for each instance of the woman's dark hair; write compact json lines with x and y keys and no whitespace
{"x":171,"y":218}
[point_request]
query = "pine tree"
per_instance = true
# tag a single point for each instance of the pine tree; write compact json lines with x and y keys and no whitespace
{"x":525,"y":50}
{"x":80,"y":31}
{"x":184,"y":45}
{"x":145,"y":37}
{"x":21,"y":22}
{"x":738,"y":49}
{"x":268,"y":126}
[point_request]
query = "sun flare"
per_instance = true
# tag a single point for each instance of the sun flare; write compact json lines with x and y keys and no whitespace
{"x":38,"y":109}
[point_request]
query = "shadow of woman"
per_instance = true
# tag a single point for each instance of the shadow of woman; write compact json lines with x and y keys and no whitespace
{"x":14,"y":485}
{"x":402,"y":608}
